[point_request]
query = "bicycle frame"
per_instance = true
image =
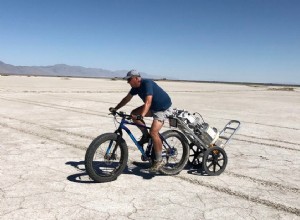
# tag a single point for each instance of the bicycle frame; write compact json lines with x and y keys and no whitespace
{"x":122,"y":126}
{"x":107,"y":156}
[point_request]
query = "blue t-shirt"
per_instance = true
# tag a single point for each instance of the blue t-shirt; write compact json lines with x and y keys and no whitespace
{"x":160,"y":99}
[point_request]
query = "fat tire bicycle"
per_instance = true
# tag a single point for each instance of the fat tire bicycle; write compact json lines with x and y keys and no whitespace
{"x":107,"y":155}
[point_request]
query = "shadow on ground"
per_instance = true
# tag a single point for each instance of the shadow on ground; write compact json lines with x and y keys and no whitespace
{"x":140,"y":169}
{"x":195,"y":170}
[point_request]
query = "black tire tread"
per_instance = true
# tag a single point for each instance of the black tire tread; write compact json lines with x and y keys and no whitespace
{"x":185,"y":155}
{"x":90,"y":155}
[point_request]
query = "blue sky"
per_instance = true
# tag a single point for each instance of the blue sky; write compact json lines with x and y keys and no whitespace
{"x":221,"y":40}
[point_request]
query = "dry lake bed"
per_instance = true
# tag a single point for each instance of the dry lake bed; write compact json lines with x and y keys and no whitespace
{"x":47,"y":123}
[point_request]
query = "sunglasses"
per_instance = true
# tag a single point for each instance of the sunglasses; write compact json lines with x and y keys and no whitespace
{"x":128,"y":80}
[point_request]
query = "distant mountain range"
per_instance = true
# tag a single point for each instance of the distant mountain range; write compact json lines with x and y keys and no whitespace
{"x":65,"y":70}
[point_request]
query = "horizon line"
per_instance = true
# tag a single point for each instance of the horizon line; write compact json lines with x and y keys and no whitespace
{"x":158,"y":79}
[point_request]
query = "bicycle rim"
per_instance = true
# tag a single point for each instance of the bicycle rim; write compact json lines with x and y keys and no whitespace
{"x":107,"y":163}
{"x":175,"y":153}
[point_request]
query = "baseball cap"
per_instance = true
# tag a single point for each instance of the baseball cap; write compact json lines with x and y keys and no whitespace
{"x":132,"y":73}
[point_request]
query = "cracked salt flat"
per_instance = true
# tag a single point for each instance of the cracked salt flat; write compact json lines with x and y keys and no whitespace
{"x":47,"y":123}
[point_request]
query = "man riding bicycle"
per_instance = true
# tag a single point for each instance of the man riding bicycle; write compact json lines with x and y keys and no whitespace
{"x":157,"y":104}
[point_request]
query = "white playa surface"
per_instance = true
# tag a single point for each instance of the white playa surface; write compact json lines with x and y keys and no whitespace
{"x":47,"y":124}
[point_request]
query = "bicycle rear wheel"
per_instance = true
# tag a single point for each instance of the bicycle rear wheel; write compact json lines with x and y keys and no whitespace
{"x":175,"y":152}
{"x":106,"y":157}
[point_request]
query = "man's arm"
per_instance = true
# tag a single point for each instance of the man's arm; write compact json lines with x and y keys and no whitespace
{"x":124,"y":101}
{"x":147,"y":105}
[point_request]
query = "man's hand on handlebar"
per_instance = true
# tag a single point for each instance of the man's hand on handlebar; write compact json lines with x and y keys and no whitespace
{"x":134,"y":117}
{"x":113,"y":110}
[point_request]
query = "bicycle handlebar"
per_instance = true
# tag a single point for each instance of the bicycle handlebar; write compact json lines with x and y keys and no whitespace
{"x":121,"y":114}
{"x":124,"y":115}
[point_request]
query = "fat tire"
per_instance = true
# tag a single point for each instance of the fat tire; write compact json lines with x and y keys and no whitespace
{"x":185,"y":153}
{"x":90,"y":153}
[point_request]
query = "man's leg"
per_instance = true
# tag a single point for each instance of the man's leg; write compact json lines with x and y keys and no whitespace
{"x":154,"y":133}
{"x":138,"y":111}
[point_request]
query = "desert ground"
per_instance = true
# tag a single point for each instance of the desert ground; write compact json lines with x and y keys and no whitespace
{"x":47,"y":123}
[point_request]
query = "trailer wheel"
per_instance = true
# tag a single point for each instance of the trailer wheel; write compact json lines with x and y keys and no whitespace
{"x":214,"y":161}
{"x":196,"y":156}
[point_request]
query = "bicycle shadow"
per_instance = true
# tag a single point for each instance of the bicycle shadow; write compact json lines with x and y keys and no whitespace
{"x":81,"y":177}
{"x":139,"y":169}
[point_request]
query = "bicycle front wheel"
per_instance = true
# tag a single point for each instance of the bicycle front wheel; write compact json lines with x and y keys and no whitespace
{"x":106,"y":157}
{"x":175,"y":152}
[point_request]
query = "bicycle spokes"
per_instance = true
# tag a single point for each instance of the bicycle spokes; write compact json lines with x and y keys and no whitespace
{"x":106,"y":163}
{"x":170,"y":152}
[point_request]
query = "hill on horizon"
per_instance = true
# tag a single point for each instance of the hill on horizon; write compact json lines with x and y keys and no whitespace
{"x":65,"y":70}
